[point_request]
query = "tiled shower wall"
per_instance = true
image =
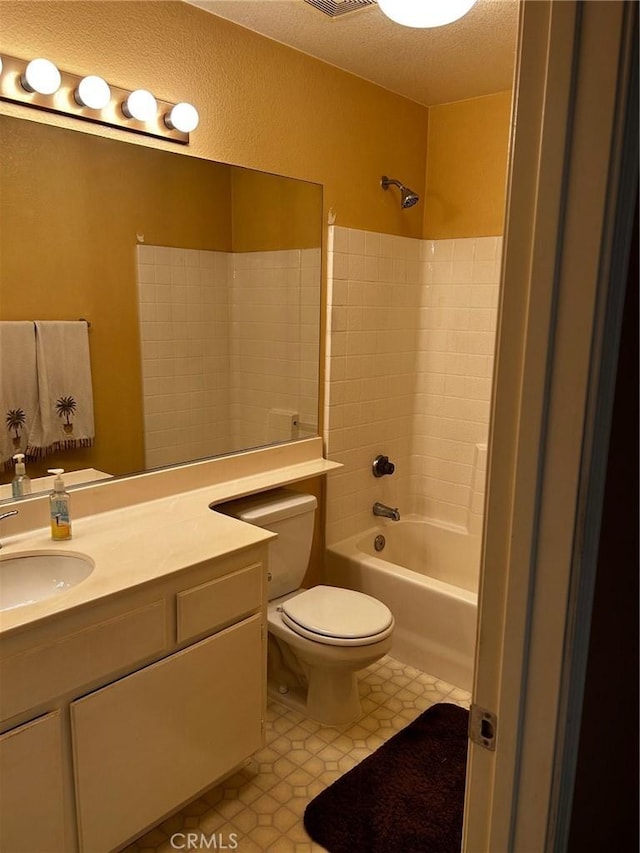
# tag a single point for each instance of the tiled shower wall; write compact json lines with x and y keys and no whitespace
{"x":409,"y":367}
{"x":229,"y":349}
{"x":184,"y":332}
{"x":274,"y":341}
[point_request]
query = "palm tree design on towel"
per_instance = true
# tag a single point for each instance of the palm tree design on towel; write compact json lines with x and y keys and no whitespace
{"x":66,"y":408}
{"x":16,"y":420}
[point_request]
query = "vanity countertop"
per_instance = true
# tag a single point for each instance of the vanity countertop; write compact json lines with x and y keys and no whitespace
{"x":143,"y":528}
{"x":132,"y":546}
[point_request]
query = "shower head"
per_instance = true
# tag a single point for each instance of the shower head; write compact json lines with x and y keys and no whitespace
{"x":407,"y":197}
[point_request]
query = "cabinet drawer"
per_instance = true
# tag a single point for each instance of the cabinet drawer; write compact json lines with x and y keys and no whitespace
{"x":217,"y":603}
{"x":42,"y":673}
{"x":146,"y":744}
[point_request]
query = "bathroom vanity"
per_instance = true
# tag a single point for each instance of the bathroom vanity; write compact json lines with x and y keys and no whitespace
{"x":127,"y":695}
{"x":119,"y":708}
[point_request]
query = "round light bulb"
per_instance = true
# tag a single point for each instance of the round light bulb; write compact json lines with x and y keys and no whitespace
{"x":93,"y":92}
{"x":41,"y":76}
{"x":427,"y":13}
{"x":183,"y":117}
{"x":140,"y":105}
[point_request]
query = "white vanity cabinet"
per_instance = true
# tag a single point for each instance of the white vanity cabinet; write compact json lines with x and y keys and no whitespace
{"x":160,"y":736}
{"x":117,"y":714}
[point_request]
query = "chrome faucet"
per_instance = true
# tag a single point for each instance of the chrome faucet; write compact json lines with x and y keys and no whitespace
{"x":7,"y":515}
{"x":386,"y":511}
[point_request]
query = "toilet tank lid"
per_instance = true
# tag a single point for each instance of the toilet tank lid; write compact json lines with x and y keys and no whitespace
{"x":267,"y":507}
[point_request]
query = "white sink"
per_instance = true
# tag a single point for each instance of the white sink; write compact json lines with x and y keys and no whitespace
{"x":32,"y":576}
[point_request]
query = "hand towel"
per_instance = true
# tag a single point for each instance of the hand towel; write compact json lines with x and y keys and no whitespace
{"x":65,"y":414}
{"x":18,"y":387}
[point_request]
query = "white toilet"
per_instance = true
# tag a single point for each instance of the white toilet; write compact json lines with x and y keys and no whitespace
{"x":319,"y":637}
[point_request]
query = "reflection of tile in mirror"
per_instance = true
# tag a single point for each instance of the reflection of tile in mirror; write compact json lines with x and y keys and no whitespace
{"x":229,"y":349}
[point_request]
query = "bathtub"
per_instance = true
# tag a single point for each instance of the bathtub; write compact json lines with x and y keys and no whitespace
{"x":427,"y":574}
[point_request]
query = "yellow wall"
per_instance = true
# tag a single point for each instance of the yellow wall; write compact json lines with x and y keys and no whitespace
{"x":467,"y":167}
{"x":268,"y":107}
{"x":271,"y":212}
{"x":262,"y":104}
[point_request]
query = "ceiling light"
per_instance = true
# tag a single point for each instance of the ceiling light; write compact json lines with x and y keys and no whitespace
{"x":182,"y":117}
{"x":93,"y":92}
{"x":425,"y":13}
{"x":140,"y":105}
{"x":41,"y":76}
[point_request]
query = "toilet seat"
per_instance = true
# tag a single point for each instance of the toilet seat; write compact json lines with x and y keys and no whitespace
{"x":338,"y":617}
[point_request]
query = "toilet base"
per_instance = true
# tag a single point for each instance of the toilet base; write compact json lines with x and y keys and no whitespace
{"x":338,"y":706}
{"x":323,"y":692}
{"x":295,"y":698}
{"x":327,"y":694}
{"x":333,"y":697}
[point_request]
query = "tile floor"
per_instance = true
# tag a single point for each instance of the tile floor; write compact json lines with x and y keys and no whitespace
{"x":260,"y":808}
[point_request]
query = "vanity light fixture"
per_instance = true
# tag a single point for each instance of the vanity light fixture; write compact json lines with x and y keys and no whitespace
{"x":93,"y":92}
{"x":427,"y":13}
{"x":41,"y":76}
{"x":38,"y":83}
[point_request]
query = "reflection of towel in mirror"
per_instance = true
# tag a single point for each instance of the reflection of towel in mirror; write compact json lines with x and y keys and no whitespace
{"x":65,"y":418}
{"x":18,"y":387}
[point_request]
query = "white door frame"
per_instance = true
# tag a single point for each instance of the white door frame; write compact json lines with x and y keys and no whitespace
{"x":567,"y":148}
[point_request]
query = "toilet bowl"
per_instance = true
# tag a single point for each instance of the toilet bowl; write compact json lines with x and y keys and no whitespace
{"x":332,"y":654}
{"x":319,"y":637}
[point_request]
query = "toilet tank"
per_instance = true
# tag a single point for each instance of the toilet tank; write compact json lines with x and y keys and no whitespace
{"x":289,"y":514}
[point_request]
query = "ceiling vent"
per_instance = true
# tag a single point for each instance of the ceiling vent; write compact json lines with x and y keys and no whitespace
{"x":335,"y":8}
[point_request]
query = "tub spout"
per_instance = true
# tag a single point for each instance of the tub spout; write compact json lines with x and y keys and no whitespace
{"x":386,"y":511}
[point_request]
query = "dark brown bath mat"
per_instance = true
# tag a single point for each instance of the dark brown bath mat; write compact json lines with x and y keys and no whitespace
{"x":405,"y":798}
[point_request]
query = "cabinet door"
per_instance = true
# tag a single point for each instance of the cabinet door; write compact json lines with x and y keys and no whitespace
{"x":148,"y":743}
{"x":31,"y":788}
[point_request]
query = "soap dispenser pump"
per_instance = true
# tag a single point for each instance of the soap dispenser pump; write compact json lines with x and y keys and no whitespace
{"x":59,"y":504}
{"x":21,"y":484}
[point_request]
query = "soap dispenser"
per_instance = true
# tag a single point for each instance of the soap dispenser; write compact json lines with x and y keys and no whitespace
{"x":59,"y":505}
{"x":21,"y":484}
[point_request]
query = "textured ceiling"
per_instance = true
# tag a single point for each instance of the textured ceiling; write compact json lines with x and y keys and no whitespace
{"x":471,"y":57}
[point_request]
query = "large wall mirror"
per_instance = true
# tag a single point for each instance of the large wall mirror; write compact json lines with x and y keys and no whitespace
{"x":200,"y":281}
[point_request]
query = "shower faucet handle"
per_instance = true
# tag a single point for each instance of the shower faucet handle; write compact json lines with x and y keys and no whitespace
{"x":382,"y":466}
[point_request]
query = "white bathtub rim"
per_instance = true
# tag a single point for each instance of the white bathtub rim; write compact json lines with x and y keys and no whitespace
{"x":348,"y":549}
